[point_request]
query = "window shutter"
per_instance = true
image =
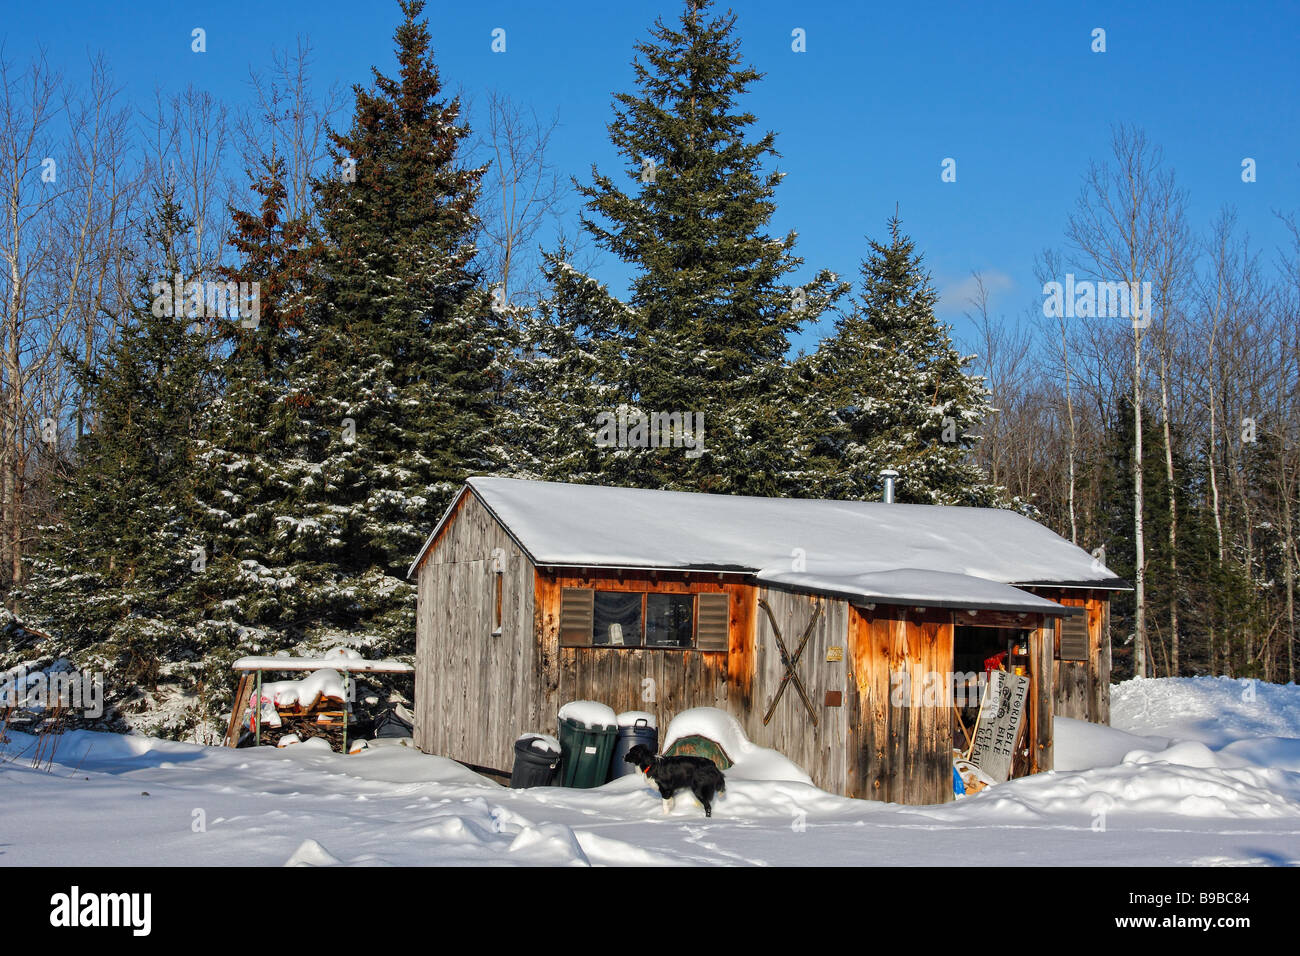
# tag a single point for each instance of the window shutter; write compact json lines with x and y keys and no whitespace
{"x":1074,"y":638}
{"x":711,"y":628}
{"x":577,"y":616}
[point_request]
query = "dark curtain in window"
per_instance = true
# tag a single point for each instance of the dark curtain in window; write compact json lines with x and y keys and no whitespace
{"x":618,"y":619}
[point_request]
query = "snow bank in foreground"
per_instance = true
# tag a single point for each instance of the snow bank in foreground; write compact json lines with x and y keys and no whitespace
{"x":1179,"y":783}
{"x":1080,"y":745}
{"x":749,"y":761}
{"x":1142,"y":799}
{"x":1127,"y":773}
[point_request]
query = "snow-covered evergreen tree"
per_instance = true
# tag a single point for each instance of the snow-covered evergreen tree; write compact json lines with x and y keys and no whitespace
{"x":561,"y":370}
{"x":268,"y":582}
{"x":705,"y":328}
{"x":399,"y":378}
{"x":889,"y":390}
{"x":115,"y":580}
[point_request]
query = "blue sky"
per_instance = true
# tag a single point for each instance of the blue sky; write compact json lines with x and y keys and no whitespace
{"x":885,"y":92}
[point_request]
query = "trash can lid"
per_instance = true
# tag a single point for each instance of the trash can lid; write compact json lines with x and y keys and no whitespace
{"x":538,"y":741}
{"x":636,"y":718}
{"x":589,"y":713}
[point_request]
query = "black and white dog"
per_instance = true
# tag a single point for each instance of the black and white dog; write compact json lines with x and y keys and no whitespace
{"x":671,"y":774}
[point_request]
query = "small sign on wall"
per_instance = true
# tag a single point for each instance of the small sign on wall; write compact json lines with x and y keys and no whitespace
{"x":834,"y":654}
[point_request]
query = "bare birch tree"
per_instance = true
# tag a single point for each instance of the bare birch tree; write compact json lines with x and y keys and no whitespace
{"x":1115,"y":232}
{"x":522,"y":193}
{"x":291,"y":118}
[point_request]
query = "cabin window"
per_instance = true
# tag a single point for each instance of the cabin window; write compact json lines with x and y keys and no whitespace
{"x":498,"y":586}
{"x":669,"y":620}
{"x":599,"y":618}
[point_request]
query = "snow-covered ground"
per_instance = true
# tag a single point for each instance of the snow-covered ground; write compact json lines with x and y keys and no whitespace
{"x":1194,"y":771}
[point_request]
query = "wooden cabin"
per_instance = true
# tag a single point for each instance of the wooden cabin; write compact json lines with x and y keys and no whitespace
{"x":533,"y":594}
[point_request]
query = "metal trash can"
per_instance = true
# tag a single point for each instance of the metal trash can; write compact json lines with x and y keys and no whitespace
{"x":534,"y":766}
{"x":638,"y":730}
{"x":586,"y":751}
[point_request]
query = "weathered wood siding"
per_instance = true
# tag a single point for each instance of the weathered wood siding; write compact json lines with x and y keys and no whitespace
{"x":662,"y":681}
{"x":474,"y":692}
{"x":899,"y":748}
{"x":1083,"y":687}
{"x":743,"y":681}
{"x":820,"y":749}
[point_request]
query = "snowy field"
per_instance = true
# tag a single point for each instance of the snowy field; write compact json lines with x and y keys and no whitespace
{"x":1194,"y":772}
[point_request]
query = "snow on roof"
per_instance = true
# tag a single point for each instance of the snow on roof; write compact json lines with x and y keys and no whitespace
{"x":917,"y":586}
{"x":854,"y":547}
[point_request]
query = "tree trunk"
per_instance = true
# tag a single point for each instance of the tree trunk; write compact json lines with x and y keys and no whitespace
{"x":1139,"y":541}
{"x":1173,"y":517}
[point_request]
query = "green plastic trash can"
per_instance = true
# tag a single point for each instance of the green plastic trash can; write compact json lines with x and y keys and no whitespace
{"x":586,"y":752}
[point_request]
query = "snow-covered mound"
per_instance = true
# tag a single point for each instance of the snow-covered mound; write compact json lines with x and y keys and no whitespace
{"x":749,"y":761}
{"x":1204,"y":763}
{"x":1080,"y":745}
{"x":1213,"y":710}
{"x":1186,"y":779}
{"x":304,"y":693}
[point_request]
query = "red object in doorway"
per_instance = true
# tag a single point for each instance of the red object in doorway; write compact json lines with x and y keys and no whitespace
{"x":995,"y":663}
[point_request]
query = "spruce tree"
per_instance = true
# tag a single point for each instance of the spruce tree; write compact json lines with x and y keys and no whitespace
{"x":266,"y":585}
{"x":114,"y":580}
{"x":561,"y":369}
{"x":705,"y":327}
{"x":399,"y":377}
{"x":889,"y":390}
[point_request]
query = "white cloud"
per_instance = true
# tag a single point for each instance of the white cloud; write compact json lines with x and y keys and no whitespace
{"x":955,"y":296}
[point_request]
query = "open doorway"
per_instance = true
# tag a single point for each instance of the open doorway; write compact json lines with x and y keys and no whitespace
{"x":976,"y":652}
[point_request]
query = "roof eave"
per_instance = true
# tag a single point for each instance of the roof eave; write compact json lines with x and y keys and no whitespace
{"x":857,"y":599}
{"x":433,"y":535}
{"x":1105,"y":584}
{"x":662,"y":568}
{"x":466,"y":488}
{"x":1057,"y":611}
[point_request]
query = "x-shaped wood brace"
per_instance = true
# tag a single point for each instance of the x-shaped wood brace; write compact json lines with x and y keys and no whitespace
{"x":791,"y":662}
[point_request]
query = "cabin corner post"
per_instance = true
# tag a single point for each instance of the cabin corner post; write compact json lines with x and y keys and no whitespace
{"x":545,"y":699}
{"x":419,"y":723}
{"x":1103,"y":665}
{"x":1042,"y":718}
{"x":941,"y":652}
{"x":867,"y":681}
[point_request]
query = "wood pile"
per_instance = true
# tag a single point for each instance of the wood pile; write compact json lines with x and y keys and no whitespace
{"x":322,"y":718}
